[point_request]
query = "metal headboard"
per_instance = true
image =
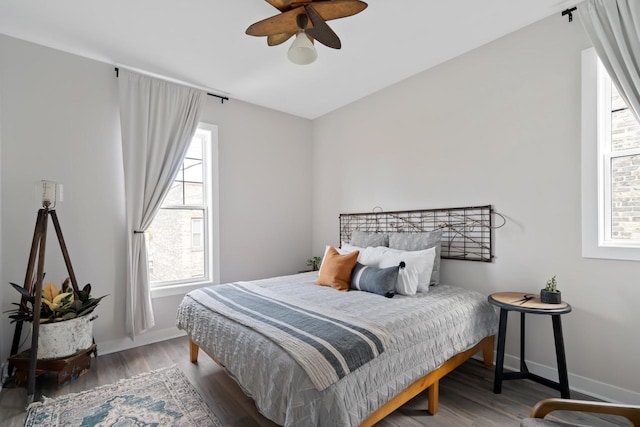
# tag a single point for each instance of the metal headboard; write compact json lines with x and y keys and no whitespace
{"x":467,"y":233}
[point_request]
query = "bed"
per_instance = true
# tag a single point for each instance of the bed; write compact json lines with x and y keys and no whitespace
{"x":431,"y":333}
{"x":434,"y":333}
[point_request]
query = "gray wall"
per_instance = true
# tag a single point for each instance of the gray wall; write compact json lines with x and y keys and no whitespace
{"x":60,"y":121}
{"x":499,"y":125}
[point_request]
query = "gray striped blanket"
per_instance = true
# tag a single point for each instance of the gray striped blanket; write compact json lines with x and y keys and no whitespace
{"x":326,"y":343}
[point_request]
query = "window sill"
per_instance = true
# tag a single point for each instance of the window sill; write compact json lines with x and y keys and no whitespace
{"x":611,"y":252}
{"x":181,"y":289}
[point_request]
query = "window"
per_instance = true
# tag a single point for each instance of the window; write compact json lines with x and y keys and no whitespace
{"x":610,"y":167}
{"x":182,"y":241}
{"x":197,"y":234}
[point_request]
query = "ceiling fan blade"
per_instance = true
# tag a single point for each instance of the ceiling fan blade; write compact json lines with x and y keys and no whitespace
{"x":285,"y":22}
{"x":335,"y":9}
{"x":281,"y":5}
{"x":321,"y":31}
{"x":276,"y":39}
{"x":280,"y":27}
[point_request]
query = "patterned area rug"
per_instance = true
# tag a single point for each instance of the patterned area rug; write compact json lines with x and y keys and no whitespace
{"x":159,"y":398}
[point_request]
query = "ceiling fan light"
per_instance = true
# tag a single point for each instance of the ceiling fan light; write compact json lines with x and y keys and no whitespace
{"x":302,"y":51}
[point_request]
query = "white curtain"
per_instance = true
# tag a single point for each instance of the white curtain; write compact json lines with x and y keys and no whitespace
{"x":158,"y":121}
{"x":614,"y":29}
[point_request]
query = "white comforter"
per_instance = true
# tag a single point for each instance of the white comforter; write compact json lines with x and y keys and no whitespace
{"x":428,"y":329}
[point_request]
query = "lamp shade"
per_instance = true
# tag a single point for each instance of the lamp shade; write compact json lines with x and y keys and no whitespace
{"x":302,"y":51}
{"x":51,"y":193}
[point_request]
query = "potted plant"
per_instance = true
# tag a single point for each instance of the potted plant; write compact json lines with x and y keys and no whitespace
{"x":314,"y":263}
{"x":550,"y":294}
{"x":65,"y":327}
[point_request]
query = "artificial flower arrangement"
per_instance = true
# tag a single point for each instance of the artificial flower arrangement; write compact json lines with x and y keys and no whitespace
{"x":57,"y":304}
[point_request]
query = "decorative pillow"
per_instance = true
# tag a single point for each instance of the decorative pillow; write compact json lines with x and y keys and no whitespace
{"x":336,"y":269}
{"x":417,"y":271}
{"x":381,"y":281}
{"x":345,"y":249}
{"x":364,"y":239}
{"x":418,"y":242}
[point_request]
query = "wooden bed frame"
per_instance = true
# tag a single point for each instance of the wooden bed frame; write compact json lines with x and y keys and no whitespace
{"x":430,"y":381}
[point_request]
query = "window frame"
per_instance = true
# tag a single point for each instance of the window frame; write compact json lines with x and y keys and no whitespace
{"x":211,"y":227}
{"x":596,"y":166}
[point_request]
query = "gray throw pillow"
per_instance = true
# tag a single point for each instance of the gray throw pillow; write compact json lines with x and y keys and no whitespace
{"x":364,"y":239}
{"x":419,"y":242}
{"x":381,"y":281}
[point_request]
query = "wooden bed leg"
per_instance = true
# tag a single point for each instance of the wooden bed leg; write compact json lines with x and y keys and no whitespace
{"x":432,"y":395}
{"x":193,"y":351}
{"x":487,"y":352}
{"x":429,"y":382}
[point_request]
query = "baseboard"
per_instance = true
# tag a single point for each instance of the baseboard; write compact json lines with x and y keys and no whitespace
{"x":588,"y":386}
{"x":127,"y":343}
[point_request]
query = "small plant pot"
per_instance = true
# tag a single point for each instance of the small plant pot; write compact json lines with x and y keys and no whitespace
{"x":547,"y":297}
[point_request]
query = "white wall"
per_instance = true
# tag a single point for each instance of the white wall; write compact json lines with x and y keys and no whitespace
{"x":60,"y":122}
{"x":499,"y":125}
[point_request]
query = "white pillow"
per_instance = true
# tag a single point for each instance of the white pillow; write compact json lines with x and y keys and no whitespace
{"x":416,"y":274}
{"x":347,"y":248}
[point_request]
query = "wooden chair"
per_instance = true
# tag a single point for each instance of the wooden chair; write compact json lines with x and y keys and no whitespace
{"x":542,"y":408}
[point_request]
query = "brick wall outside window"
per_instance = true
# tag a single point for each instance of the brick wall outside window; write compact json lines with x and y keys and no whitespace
{"x":625,"y":171}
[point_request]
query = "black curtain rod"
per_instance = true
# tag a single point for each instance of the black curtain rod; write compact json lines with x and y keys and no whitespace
{"x":222,"y":98}
{"x":569,"y":12}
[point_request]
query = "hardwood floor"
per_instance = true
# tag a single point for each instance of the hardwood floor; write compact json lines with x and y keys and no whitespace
{"x":466,"y":397}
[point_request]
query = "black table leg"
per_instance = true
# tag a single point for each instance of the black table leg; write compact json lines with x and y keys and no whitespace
{"x":523,"y":363}
{"x":502,"y":332}
{"x":561,"y":357}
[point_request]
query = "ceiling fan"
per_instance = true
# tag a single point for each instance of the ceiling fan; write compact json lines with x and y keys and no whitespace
{"x":306,"y":19}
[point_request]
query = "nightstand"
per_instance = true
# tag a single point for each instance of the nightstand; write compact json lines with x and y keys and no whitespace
{"x":530,"y":303}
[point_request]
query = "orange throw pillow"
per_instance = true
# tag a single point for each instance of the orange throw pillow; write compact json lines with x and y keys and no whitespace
{"x":336,"y":269}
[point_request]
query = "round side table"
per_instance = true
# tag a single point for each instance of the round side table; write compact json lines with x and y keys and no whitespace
{"x":529,"y":303}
